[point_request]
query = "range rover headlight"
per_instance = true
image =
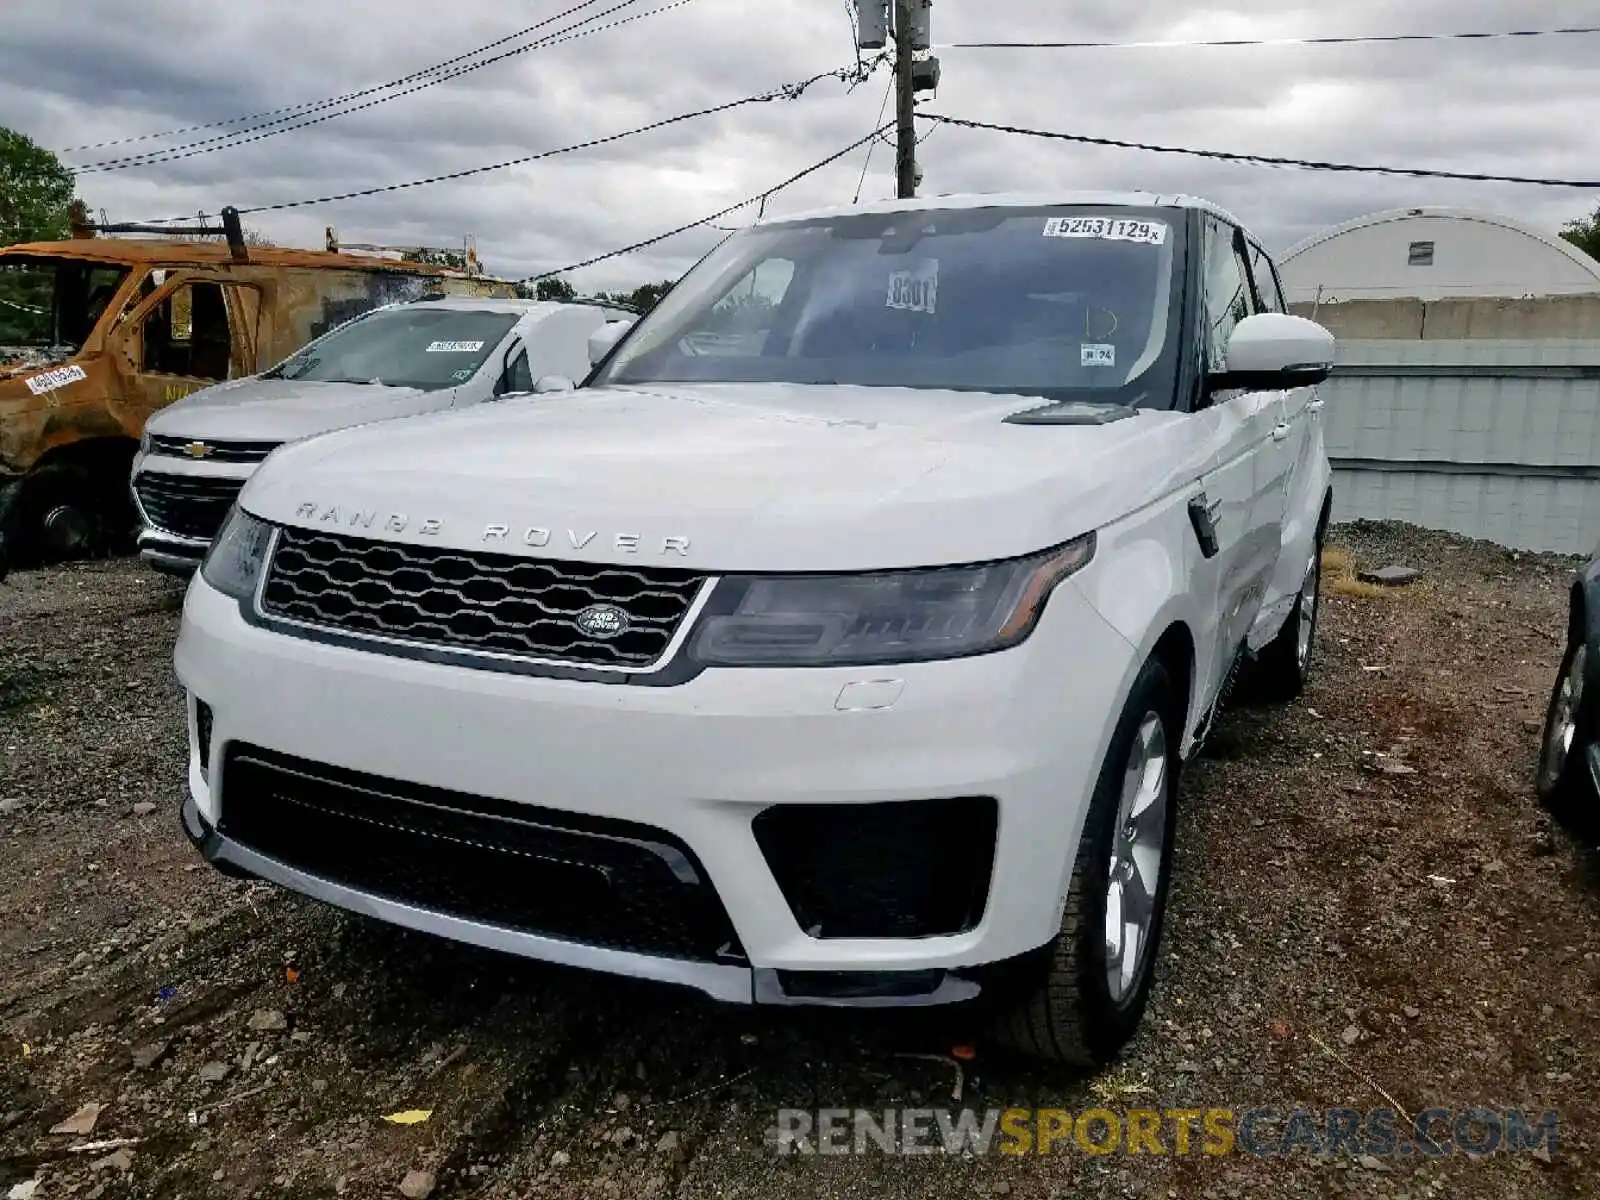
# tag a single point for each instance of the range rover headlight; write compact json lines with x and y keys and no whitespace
{"x":882,"y":617}
{"x":233,"y":564}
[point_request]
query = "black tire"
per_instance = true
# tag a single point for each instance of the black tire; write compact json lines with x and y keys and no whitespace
{"x":1280,"y":670}
{"x":1071,"y":1016}
{"x":73,"y":510}
{"x":1563,"y":782}
{"x":59,"y":516}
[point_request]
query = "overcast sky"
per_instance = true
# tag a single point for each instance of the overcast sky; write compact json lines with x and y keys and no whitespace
{"x":110,"y":70}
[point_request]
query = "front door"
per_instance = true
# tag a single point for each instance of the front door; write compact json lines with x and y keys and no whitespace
{"x":1242,"y":492}
{"x":191,"y":332}
{"x":1299,"y":433}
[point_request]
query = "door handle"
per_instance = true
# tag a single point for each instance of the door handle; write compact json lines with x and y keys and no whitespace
{"x":1203,"y":516}
{"x":1279,"y":432}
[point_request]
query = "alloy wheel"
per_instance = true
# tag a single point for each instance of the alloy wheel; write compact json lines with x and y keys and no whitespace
{"x":1138,"y":855}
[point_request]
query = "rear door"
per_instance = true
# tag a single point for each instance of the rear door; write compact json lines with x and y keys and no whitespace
{"x":1242,"y":497}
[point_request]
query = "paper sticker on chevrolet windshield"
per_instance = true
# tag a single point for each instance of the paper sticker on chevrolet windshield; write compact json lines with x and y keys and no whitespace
{"x":58,"y":378}
{"x":1109,"y":229}
{"x":1098,"y":355}
{"x":915,"y":290}
{"x":454,"y":347}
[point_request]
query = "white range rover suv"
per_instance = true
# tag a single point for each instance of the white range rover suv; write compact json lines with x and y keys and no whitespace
{"x":838,"y":641}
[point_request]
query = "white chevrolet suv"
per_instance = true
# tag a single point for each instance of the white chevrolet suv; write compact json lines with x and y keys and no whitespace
{"x":838,"y":641}
{"x":422,"y":356}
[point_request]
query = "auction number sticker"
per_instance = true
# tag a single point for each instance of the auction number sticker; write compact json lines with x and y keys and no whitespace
{"x":1097,"y":355}
{"x":454,"y":347}
{"x":916,"y":290}
{"x":1151,"y":233}
{"x":49,"y":381}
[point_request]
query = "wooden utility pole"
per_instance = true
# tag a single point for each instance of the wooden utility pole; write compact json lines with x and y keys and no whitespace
{"x":905,"y":98}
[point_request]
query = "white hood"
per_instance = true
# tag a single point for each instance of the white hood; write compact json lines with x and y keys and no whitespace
{"x":746,"y":477}
{"x":282,"y":410}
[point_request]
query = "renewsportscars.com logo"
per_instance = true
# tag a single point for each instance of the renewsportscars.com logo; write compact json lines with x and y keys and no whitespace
{"x":1335,"y":1132}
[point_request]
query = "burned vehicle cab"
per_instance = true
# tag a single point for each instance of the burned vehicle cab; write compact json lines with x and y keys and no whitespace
{"x":98,"y":333}
{"x":1568,"y":780}
{"x":401,"y":360}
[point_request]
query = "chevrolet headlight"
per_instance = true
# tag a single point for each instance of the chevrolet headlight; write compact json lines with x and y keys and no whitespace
{"x":882,"y":617}
{"x":233,"y":564}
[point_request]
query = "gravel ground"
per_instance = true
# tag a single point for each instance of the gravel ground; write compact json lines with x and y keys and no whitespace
{"x":1370,"y":910}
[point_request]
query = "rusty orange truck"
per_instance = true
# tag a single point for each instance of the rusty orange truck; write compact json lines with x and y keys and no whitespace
{"x":98,"y":333}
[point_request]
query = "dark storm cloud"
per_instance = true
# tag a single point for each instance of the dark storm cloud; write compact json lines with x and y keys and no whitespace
{"x":1509,"y":108}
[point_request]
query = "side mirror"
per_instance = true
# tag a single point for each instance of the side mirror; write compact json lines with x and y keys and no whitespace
{"x":1272,"y":351}
{"x":603,"y":339}
{"x":552,"y":383}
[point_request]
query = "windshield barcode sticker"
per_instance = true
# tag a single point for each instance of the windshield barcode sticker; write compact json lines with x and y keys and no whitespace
{"x":1152,"y":233}
{"x":58,"y":378}
{"x":454,"y":347}
{"x":1098,"y":355}
{"x":916,"y":290}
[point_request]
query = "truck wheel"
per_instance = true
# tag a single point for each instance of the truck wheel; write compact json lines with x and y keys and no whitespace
{"x":59,"y":517}
{"x":1564,"y":783}
{"x":1281,"y":669}
{"x":1101,"y":963}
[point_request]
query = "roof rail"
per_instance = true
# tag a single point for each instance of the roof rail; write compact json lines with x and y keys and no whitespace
{"x":232,"y":229}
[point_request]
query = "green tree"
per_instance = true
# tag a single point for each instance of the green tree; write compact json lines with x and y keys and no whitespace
{"x":647,"y":296}
{"x":35,"y":191}
{"x":1585,"y":233}
{"x":644,"y":297}
{"x":553,"y":288}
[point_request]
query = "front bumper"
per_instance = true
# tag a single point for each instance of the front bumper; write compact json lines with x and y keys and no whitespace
{"x":169,"y":553}
{"x":697,"y":762}
{"x":179,"y":549}
{"x":730,"y":984}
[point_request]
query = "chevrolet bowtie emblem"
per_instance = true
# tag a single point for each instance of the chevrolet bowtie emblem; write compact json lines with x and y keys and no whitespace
{"x":197,"y":450}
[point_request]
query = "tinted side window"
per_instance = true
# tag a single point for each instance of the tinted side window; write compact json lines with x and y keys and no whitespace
{"x":1227,"y":292}
{"x":519,"y":376}
{"x":1266,"y":278}
{"x":738,"y":324}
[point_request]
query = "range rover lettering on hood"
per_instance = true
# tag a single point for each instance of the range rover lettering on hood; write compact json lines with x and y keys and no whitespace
{"x":534,"y":536}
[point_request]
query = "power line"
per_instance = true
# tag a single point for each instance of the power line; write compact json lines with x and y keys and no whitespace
{"x":318,"y":105}
{"x":1264,"y":159}
{"x":1367,"y":39}
{"x":759,"y":197}
{"x":873,"y":145}
{"x":289,"y":124}
{"x":788,"y":91}
{"x":230,"y":140}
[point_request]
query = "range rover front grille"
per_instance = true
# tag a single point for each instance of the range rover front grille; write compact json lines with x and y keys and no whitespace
{"x":190,"y":506}
{"x":211,"y":451}
{"x":596,"y":881}
{"x":479,"y":603}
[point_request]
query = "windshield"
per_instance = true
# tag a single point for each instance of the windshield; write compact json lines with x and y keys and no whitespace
{"x":51,"y":305}
{"x":1057,"y":301}
{"x":407,"y":346}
